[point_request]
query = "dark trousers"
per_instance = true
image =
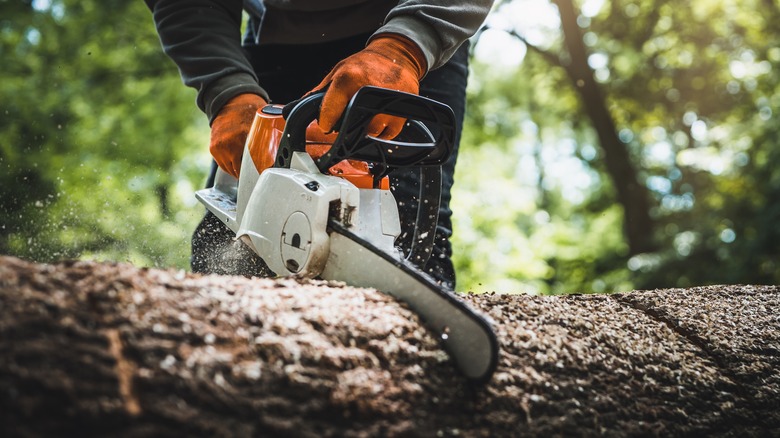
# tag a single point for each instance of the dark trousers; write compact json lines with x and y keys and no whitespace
{"x":289,"y":71}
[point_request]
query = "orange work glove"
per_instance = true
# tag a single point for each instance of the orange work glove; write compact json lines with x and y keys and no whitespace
{"x":388,"y":61}
{"x":230,"y":129}
{"x":317,"y":137}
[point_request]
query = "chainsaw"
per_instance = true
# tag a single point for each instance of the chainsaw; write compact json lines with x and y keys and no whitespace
{"x":326,"y":211}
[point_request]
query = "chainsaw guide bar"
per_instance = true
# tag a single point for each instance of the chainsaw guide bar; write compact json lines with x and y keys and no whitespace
{"x":466,"y":335}
{"x":302,"y":218}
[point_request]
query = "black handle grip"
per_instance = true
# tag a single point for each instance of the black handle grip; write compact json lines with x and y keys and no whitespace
{"x":294,"y":136}
{"x":415,"y":146}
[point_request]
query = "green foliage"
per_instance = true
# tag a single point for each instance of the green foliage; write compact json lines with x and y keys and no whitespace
{"x":543,"y":232}
{"x":694,"y":94}
{"x":100,"y":144}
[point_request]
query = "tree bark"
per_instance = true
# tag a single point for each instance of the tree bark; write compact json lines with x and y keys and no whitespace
{"x":90,"y":349}
{"x":632,"y":195}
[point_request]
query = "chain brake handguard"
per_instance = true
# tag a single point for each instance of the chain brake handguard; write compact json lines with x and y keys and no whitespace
{"x":415,"y":146}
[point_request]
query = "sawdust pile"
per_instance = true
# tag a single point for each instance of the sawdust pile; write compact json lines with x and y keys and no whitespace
{"x":95,"y":349}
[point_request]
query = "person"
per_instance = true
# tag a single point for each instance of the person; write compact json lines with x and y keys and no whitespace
{"x":294,"y":47}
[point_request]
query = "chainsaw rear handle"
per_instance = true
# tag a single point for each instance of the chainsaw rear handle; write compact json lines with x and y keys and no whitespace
{"x":415,"y":146}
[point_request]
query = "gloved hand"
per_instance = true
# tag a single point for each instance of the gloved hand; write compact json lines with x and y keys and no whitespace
{"x":316,"y":136}
{"x":230,"y":129}
{"x":389,"y":61}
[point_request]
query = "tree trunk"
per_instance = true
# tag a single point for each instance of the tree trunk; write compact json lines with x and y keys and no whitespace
{"x":632,"y":195}
{"x":89,"y":349}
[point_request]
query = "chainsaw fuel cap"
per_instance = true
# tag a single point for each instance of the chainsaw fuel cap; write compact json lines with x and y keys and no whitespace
{"x":272,"y":110}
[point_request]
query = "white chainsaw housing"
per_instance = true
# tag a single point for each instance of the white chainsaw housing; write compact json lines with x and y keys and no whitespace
{"x":302,"y":222}
{"x":282,"y":214}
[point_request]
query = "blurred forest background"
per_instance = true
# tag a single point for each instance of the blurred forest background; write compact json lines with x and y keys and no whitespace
{"x":609,"y":145}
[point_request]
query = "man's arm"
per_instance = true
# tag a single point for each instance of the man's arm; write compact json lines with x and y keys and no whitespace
{"x":439,"y":27}
{"x":204,"y":40}
{"x":417,"y":36}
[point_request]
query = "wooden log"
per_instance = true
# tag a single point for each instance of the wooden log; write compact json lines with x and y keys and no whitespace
{"x":96,"y":349}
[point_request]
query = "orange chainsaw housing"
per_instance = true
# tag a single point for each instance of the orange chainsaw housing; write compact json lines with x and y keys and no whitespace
{"x":266,"y":133}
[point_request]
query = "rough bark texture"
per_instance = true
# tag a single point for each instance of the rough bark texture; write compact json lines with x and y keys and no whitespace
{"x":94,"y":349}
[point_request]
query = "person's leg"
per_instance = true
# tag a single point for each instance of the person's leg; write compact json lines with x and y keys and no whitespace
{"x":446,"y":84}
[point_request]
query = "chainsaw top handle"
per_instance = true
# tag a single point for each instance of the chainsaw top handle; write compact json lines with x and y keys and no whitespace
{"x":415,"y":146}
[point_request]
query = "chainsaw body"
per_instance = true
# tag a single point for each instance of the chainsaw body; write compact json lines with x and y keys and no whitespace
{"x":326,"y":211}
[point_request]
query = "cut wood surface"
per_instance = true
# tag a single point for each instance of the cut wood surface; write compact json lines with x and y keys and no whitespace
{"x":98,"y":349}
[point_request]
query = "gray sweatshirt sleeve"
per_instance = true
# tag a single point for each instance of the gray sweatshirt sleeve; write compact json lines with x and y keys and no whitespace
{"x":439,"y":27}
{"x":203,"y":38}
